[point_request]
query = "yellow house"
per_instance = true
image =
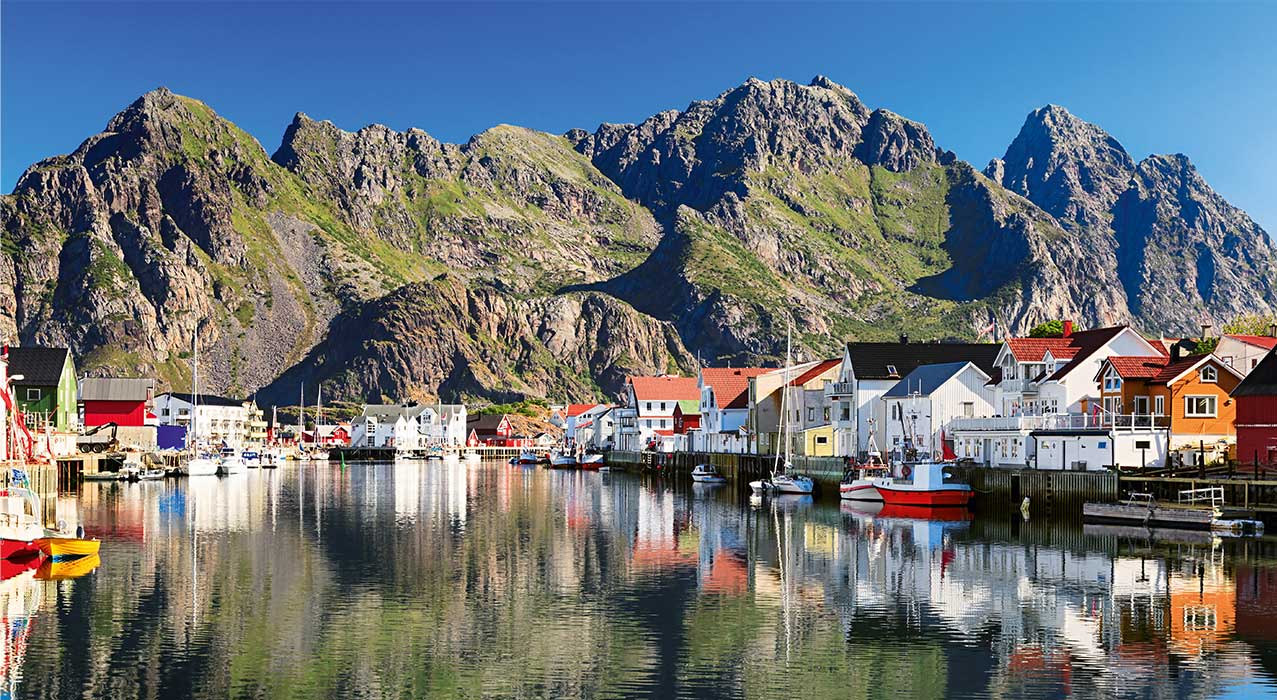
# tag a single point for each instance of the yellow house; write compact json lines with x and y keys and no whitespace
{"x":819,"y":442}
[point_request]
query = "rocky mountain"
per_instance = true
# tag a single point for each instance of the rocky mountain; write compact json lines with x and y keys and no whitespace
{"x":388,"y":264}
{"x":1183,"y":254}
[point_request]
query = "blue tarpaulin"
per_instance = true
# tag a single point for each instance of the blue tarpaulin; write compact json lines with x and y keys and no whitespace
{"x":170,"y":437}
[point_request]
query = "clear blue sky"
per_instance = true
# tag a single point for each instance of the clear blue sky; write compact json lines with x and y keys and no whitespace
{"x":1199,"y":79}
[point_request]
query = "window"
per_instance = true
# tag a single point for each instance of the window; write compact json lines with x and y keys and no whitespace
{"x":33,"y":394}
{"x":1199,"y":406}
{"x":845,"y":410}
{"x":649,"y":405}
{"x":826,"y":414}
{"x":811,"y":414}
{"x":1159,"y":405}
{"x":968,"y":409}
{"x":1112,"y":381}
{"x":822,"y":440}
{"x":662,"y":405}
{"x":1228,"y":360}
{"x":891,"y":371}
{"x":1209,"y":374}
{"x":1141,"y":405}
{"x":1142,"y":444}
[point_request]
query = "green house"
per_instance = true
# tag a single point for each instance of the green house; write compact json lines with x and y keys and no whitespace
{"x":46,"y":392}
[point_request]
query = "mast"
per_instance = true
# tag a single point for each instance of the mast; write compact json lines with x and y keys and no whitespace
{"x":319,"y":412}
{"x":195,"y":393}
{"x":784,"y":410}
{"x":301,"y":414}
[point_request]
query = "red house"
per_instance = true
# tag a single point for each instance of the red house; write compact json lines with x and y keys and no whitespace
{"x":125,"y":402}
{"x":1256,"y":399}
{"x":492,"y":430}
{"x":691,"y":420}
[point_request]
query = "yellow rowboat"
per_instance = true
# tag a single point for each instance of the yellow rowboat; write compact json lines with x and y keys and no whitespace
{"x":67,"y":547}
{"x":54,"y":570}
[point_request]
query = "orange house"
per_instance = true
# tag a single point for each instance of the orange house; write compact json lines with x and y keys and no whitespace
{"x":1190,"y":395}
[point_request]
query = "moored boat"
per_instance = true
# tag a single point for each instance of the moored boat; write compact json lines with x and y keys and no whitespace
{"x":781,"y":483}
{"x":66,"y":547}
{"x":707,"y":474}
{"x":527,"y":457}
{"x":923,"y":484}
{"x":19,"y":522}
{"x":560,"y":461}
{"x":252,"y":458}
{"x":592,"y":462}
{"x":230,"y":463}
{"x":470,"y":456}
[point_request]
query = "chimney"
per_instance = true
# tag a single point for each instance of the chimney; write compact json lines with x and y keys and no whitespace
{"x":1272,"y":333}
{"x":1068,"y":328}
{"x":1176,"y":347}
{"x":904,"y":339}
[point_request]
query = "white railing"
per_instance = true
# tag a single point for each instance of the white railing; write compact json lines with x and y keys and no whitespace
{"x":839,"y":388}
{"x":1063,"y":421}
{"x":999,"y":423}
{"x":1213,"y":495}
{"x":1020,"y":386}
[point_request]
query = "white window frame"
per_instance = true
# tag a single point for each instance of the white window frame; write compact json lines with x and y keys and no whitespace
{"x":1159,"y":405}
{"x":1213,"y":411}
{"x":1210,"y":378}
{"x":1112,"y":380}
{"x":37,"y":394}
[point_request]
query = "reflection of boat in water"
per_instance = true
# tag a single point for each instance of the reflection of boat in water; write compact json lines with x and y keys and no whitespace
{"x":905,"y":512}
{"x":63,"y":569}
{"x":20,"y":597}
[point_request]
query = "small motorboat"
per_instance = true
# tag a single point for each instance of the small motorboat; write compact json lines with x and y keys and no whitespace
{"x":203,"y":465}
{"x":230,"y":464}
{"x":707,"y":474}
{"x":62,"y":569}
{"x":526,"y":457}
{"x":252,"y":459}
{"x":66,"y":546}
{"x":102,"y":476}
{"x":319,"y":455}
{"x":592,"y":461}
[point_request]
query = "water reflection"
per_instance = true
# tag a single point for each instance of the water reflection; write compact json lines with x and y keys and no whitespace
{"x":465,"y":581}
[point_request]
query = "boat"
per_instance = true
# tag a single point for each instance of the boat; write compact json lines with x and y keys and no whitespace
{"x":526,"y":457}
{"x":923,"y":484}
{"x":592,"y":461}
{"x":230,"y":463}
{"x":65,"y":546}
{"x":63,"y":569}
{"x":101,"y":476}
{"x":200,"y":463}
{"x":19,"y":520}
{"x":857,"y":482}
{"x":562,"y":461}
{"x":252,"y":459}
{"x":707,"y":474}
{"x":319,"y":455}
{"x":780,"y":481}
{"x":471,"y":456}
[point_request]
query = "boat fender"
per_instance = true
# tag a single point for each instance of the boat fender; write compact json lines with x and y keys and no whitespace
{"x":79,"y":532}
{"x":906,"y":471}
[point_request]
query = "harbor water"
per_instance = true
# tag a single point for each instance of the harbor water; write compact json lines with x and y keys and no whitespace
{"x":491,"y":581}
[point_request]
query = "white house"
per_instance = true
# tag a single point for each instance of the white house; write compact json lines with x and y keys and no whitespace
{"x":870,"y":370}
{"x":647,"y":418}
{"x":589,"y":424}
{"x":451,"y":422}
{"x":217,"y":419}
{"x":724,"y":408}
{"x":922,"y":405}
{"x":402,"y":426}
{"x":1244,"y":352}
{"x":1047,"y":396}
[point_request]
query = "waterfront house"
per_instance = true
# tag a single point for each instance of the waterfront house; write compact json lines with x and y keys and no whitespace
{"x":125,"y":402}
{"x":646,"y":421}
{"x":810,"y":408}
{"x":687,"y":418}
{"x":1047,"y":399}
{"x":44,"y":387}
{"x":923,"y":404}
{"x":1244,"y":352}
{"x":395,"y":426}
{"x":724,"y":408}
{"x":870,"y":370}
{"x":1189,"y":395}
{"x":766,"y":392}
{"x":592,"y":426}
{"x":1256,"y":420}
{"x":491,"y":430}
{"x":5,"y":401}
{"x":217,"y":420}
{"x":579,"y":416}
{"x":453,"y":421}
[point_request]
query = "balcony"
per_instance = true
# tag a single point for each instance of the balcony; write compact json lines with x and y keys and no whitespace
{"x":1005,"y":423}
{"x":1019,"y":386}
{"x":839,"y":389}
{"x":1066,"y":421}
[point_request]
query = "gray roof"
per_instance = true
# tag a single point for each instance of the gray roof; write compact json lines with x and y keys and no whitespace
{"x":925,"y":379}
{"x":383,"y":411}
{"x":115,"y":389}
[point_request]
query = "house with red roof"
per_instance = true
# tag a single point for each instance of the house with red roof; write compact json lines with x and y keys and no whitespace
{"x":1244,"y":352}
{"x":1047,"y":400}
{"x":646,"y":421}
{"x":581,"y":424}
{"x":1187,"y":395}
{"x":724,"y":407}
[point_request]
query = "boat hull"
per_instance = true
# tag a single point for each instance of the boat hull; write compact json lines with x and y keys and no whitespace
{"x":859,"y":490}
{"x":18,"y":549}
{"x":930,"y":497}
{"x":67,"y":546}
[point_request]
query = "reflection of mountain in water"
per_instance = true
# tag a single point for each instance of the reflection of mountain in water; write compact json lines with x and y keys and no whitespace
{"x":448,"y":580}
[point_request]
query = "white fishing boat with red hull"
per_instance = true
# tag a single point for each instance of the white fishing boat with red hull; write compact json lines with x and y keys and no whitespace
{"x":923,"y":484}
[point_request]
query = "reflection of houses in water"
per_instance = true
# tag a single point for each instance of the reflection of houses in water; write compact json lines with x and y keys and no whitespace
{"x":664,"y":538}
{"x":1203,"y":607}
{"x":20,"y":596}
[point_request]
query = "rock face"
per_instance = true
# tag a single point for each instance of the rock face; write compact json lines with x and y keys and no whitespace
{"x":391,"y":265}
{"x":1183,"y":254}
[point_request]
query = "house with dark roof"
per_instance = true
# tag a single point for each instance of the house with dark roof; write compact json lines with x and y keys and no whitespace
{"x":923,"y":404}
{"x":870,"y":370}
{"x":1188,"y":395}
{"x":492,"y":430}
{"x":1256,"y":422}
{"x":213,"y":420}
{"x":44,"y":387}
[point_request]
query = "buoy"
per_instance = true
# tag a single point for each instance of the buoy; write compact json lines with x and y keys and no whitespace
{"x":1024,"y":507}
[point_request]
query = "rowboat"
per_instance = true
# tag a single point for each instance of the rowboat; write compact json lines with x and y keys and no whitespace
{"x":67,"y":547}
{"x":707,"y":474}
{"x":60,"y":570}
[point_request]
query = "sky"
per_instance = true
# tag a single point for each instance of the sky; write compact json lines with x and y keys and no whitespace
{"x":1198,"y":79}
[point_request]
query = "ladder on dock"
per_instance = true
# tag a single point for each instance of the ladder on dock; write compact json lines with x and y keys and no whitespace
{"x":1210,"y":495}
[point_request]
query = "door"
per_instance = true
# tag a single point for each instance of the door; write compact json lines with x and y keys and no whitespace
{"x":988,"y":452}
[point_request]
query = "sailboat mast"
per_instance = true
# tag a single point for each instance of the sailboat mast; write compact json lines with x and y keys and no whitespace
{"x":301,"y":414}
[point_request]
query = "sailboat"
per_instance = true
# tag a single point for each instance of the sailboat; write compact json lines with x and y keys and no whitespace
{"x":781,"y":481}
{"x":318,"y":453}
{"x":199,"y":464}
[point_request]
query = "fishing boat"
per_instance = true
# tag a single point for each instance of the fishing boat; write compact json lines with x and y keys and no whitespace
{"x":251,"y":458}
{"x":923,"y":484}
{"x":707,"y":474}
{"x":65,"y":547}
{"x":562,"y":461}
{"x":857,"y":482}
{"x":592,"y":462}
{"x":527,"y":457}
{"x":19,"y":519}
{"x":780,"y":481}
{"x":63,"y":569}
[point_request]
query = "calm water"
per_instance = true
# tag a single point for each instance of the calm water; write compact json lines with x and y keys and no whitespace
{"x":454,"y":581}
